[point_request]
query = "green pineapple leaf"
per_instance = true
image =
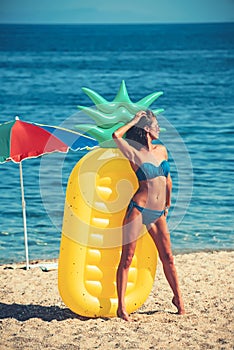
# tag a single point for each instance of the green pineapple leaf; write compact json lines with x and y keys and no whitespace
{"x":108,"y":116}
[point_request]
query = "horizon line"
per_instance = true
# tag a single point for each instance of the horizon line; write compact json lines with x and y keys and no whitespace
{"x":115,"y":23}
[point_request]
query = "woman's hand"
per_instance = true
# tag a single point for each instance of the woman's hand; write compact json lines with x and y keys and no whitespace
{"x":138,"y":116}
{"x":119,"y":133}
{"x":166,"y":211}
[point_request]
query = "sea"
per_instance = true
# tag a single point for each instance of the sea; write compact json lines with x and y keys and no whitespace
{"x":43,"y":69}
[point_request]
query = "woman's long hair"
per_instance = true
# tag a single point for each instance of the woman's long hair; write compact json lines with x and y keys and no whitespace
{"x":137,"y":135}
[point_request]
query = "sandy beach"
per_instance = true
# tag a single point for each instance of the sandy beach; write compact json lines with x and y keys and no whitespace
{"x":33,"y":316}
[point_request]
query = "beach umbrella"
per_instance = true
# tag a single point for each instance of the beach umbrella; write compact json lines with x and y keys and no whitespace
{"x":20,"y":140}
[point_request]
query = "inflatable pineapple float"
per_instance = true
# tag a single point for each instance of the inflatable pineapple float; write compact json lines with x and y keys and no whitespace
{"x":98,"y":192}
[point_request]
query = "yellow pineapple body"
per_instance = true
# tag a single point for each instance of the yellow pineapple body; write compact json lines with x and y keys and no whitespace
{"x":98,"y":193}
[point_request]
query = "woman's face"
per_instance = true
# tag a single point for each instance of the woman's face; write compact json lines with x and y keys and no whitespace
{"x":154,"y":129}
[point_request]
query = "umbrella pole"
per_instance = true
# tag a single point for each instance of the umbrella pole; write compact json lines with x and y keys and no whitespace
{"x":24,"y":216}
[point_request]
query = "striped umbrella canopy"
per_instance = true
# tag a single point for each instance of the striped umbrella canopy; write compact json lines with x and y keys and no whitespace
{"x":20,"y":140}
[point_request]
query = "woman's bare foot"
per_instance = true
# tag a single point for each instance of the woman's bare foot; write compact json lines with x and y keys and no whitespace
{"x":123,"y":314}
{"x":179,"y":304}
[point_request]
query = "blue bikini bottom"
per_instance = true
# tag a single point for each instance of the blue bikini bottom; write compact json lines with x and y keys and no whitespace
{"x":148,"y":215}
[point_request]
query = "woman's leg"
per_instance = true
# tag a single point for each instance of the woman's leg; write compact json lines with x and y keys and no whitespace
{"x":161,"y":236}
{"x":131,"y":229}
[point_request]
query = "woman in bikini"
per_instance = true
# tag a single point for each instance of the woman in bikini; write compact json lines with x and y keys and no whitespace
{"x":149,"y":205}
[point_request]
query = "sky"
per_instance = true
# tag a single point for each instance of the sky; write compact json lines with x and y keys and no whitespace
{"x":118,"y":11}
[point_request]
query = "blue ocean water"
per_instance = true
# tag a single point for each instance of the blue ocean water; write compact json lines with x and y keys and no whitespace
{"x":42,"y":71}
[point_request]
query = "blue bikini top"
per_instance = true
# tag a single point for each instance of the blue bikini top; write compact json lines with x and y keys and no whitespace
{"x":149,"y":171}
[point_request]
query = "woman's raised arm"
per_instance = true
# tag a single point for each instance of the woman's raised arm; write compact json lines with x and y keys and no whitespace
{"x":121,"y":143}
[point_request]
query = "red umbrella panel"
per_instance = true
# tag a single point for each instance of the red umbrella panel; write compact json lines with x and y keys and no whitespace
{"x":20,"y":140}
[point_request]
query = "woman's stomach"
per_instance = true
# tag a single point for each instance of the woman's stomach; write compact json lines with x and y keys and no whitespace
{"x":151,"y":194}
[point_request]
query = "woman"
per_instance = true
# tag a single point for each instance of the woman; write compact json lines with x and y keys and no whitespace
{"x":149,"y":205}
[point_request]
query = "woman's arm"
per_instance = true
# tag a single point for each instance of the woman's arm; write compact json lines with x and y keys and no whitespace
{"x":168,"y":194}
{"x":168,"y":187}
{"x":168,"y":191}
{"x":122,"y":144}
{"x":119,"y":133}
